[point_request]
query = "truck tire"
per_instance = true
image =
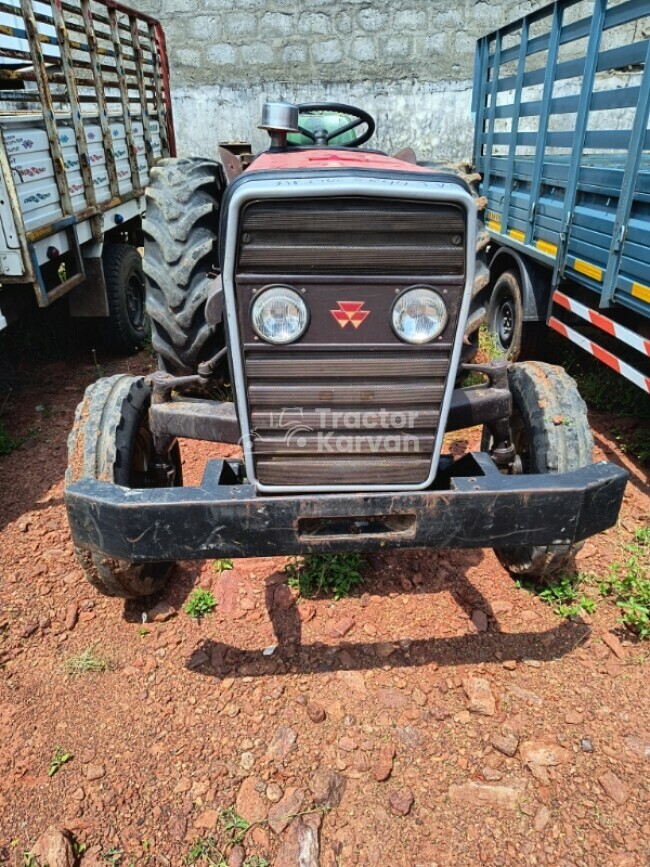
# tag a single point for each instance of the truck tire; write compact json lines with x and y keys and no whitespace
{"x":552,"y":435}
{"x":180,"y":252}
{"x":513,"y":338}
{"x":126,"y":328}
{"x":110,"y":441}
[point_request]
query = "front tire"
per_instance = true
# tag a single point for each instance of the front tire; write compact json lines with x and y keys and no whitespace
{"x":111,"y":442}
{"x":551,"y":434}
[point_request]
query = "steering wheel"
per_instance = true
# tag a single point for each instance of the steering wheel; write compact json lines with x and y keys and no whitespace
{"x":324,"y":137}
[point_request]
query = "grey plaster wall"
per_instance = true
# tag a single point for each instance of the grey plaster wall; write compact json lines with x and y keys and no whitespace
{"x":408,"y":62}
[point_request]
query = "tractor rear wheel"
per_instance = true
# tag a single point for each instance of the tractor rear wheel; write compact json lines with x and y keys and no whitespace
{"x":111,"y":442}
{"x":180,"y":260}
{"x":551,"y":434}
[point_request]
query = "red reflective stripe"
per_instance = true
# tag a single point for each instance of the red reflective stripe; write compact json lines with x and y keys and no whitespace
{"x":647,"y":384}
{"x":558,"y":326}
{"x":562,"y":300}
{"x":646,"y":343}
{"x":602,"y":322}
{"x":606,"y":357}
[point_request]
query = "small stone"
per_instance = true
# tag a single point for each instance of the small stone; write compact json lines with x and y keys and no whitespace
{"x":183,"y":786}
{"x":586,"y":745}
{"x":384,"y":649}
{"x":542,"y":818}
{"x":543,"y":753}
{"x":401,"y":801}
{"x":480,"y":621}
{"x":327,"y":788}
{"x":315,"y":712}
{"x":340,"y":628}
{"x":283,"y":813}
{"x":614,"y":787}
{"x":246,"y":761}
{"x":250,"y":804}
{"x":273,"y":792}
{"x":299,"y":844}
{"x":347,"y":744}
{"x":161,"y":612}
{"x":71,"y":615}
{"x":506,"y":744}
{"x":525,"y":695}
{"x":480,"y":696}
{"x":307,"y":611}
{"x":614,"y":644}
{"x":208,"y":819}
{"x":55,"y":848}
{"x":510,"y":664}
{"x":574,"y":718}
{"x":282,"y":743}
{"x":488,"y":794}
{"x":491,"y":775}
{"x":94,"y":772}
{"x":383,"y":767}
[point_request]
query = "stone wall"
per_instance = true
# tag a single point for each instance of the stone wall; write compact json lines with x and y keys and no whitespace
{"x":408,"y":62}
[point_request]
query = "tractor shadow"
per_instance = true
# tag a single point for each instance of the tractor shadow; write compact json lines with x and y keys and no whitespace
{"x":293,"y":656}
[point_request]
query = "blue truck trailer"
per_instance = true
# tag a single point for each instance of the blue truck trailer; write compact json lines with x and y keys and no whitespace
{"x":561,"y":100}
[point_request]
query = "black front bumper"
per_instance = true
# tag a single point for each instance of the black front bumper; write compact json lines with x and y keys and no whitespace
{"x":471,"y":506}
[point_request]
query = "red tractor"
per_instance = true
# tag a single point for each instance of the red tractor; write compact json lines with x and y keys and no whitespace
{"x":339,"y":290}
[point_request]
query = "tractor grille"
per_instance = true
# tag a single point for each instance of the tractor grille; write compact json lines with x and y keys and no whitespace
{"x":352,"y":236}
{"x":353,"y":418}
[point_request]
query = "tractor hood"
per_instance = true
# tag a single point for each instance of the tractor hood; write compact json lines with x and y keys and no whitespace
{"x":331,"y":158}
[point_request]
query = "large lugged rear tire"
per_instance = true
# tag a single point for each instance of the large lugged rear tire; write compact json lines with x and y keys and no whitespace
{"x":551,"y":434}
{"x":180,"y":251}
{"x":110,"y":441}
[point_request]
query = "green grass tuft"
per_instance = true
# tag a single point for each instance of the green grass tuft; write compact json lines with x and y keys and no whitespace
{"x":336,"y":574}
{"x":629,"y":583}
{"x":200,"y":604}
{"x":84,"y":662}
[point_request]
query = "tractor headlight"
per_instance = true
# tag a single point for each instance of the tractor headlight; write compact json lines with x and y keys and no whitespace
{"x":418,"y":315}
{"x":279,"y":315}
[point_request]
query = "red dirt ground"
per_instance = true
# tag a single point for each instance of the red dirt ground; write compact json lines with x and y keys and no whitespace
{"x":191,"y":718}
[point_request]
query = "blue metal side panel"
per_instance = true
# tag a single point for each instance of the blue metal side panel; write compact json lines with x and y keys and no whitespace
{"x":559,"y":185}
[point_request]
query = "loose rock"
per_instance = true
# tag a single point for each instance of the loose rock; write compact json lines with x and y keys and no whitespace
{"x":282,"y":813}
{"x":283,"y":743}
{"x":506,"y":744}
{"x":94,"y":772}
{"x":315,"y":712}
{"x":250,"y":803}
{"x":543,"y":753}
{"x":480,"y":621}
{"x":55,"y":848}
{"x":327,"y":788}
{"x":614,"y":787}
{"x":384,"y":765}
{"x":401,"y":802}
{"x":480,"y":696}
{"x":542,"y":818}
{"x":299,"y":846}
{"x":487,"y":794}
{"x":161,"y":612}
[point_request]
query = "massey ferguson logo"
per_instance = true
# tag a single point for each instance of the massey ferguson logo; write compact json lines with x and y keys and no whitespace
{"x":350,"y":311}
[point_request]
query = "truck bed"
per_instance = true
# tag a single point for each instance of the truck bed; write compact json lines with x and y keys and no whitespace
{"x":562,"y":141}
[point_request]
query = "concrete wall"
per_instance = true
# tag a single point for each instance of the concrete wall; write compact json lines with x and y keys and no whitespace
{"x":408,"y":62}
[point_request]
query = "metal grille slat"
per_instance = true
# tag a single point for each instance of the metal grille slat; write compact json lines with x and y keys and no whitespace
{"x":267,"y":420}
{"x":265,"y":365}
{"x":360,"y":470}
{"x":376,"y":393}
{"x":352,"y":236}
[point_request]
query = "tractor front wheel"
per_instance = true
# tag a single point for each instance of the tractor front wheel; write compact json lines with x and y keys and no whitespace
{"x":111,"y":442}
{"x":551,"y":434}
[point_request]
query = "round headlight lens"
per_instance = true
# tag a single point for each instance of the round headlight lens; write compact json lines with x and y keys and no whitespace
{"x":279,"y":315}
{"x":419,"y":315}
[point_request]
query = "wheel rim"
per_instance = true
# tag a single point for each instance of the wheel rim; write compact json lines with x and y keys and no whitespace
{"x":506,"y":322}
{"x":521,"y":441}
{"x":135,"y":302}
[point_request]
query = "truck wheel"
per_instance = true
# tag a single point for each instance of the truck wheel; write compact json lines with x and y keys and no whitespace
{"x":551,"y":434}
{"x":505,"y":315}
{"x":111,"y":442}
{"x":126,"y":327}
{"x":180,"y":252}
